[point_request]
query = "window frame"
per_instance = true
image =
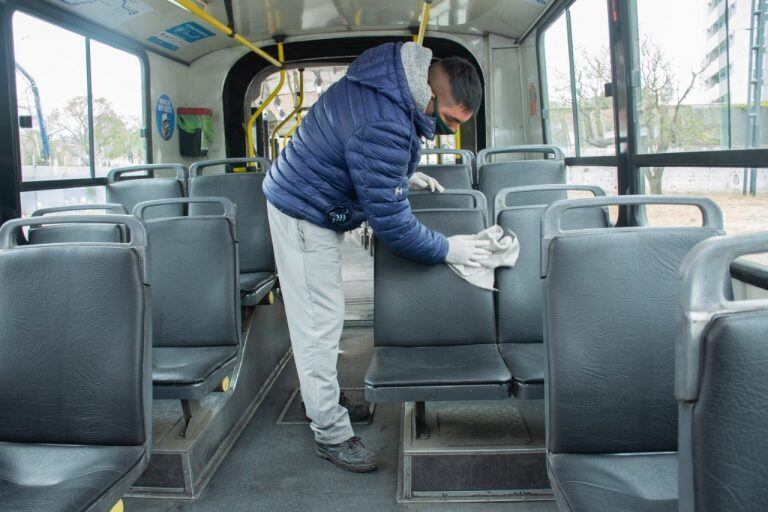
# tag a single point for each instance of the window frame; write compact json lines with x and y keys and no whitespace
{"x":90,"y":31}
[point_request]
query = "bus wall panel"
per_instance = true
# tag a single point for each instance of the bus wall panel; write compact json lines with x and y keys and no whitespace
{"x":168,"y":78}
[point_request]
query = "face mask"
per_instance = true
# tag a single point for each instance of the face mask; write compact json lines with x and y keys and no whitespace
{"x":440,"y":127}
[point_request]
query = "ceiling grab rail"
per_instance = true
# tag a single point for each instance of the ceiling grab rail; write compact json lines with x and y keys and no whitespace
{"x":192,"y":7}
{"x":273,"y":139}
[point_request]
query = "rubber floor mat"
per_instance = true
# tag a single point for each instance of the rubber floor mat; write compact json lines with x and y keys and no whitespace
{"x":482,"y":425}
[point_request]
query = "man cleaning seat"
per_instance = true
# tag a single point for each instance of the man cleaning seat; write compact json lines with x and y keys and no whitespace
{"x":353,"y":160}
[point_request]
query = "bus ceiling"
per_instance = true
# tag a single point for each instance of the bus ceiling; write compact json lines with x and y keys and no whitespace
{"x":186,"y":30}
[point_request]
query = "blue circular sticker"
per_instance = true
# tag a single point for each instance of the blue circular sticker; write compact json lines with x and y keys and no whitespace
{"x":165,"y":119}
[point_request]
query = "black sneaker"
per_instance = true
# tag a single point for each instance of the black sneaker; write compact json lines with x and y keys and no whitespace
{"x":351,"y":455}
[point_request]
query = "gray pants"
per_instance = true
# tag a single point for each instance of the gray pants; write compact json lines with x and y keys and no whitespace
{"x":308,"y":261}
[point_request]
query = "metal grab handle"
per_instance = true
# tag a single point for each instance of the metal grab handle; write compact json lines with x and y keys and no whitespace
{"x":114,"y":174}
{"x":551,"y":219}
{"x":113,"y":207}
{"x":196,"y":168}
{"x":135,"y":227}
{"x":467,"y":157}
{"x":227,"y":205}
{"x":482,"y":156}
{"x":702,"y":298}
{"x":500,"y":201}
{"x":479,"y":197}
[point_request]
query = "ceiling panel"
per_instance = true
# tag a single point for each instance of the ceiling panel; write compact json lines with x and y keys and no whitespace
{"x":152,"y":22}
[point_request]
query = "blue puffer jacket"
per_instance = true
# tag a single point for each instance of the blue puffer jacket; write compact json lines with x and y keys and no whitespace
{"x":351,"y":157}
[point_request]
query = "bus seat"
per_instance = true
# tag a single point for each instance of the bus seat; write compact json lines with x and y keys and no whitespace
{"x":75,"y":368}
{"x":195,"y":298}
{"x":460,"y":174}
{"x":721,"y":383}
{"x":611,"y":303}
{"x":434,"y":334}
{"x":450,"y":198}
{"x":62,"y":233}
{"x":257,"y":261}
{"x":492,"y":177}
{"x":124,"y":188}
{"x":520,"y":301}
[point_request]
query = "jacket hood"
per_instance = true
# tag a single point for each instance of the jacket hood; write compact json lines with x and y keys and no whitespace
{"x":381,"y":69}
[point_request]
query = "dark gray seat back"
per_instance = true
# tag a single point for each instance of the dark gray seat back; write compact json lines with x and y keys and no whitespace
{"x":127,"y":189}
{"x":611,"y":300}
{"x":492,"y":177}
{"x":194,"y":275}
{"x":75,"y":338}
{"x":721,"y":383}
{"x":455,"y":176}
{"x":460,"y":174}
{"x":244,"y":190}
{"x":520,"y":301}
{"x":63,"y":233}
{"x":449,"y":199}
{"x":428,"y":305}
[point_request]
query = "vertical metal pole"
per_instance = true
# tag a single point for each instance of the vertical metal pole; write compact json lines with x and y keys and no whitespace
{"x":574,"y":93}
{"x":625,"y":72}
{"x":89,"y":100}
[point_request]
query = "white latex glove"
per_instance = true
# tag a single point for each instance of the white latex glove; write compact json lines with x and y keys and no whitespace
{"x":467,"y":250}
{"x":421,"y":181}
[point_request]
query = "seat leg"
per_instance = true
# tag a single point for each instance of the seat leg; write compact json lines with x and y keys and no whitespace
{"x":195,"y":416}
{"x":420,"y":417}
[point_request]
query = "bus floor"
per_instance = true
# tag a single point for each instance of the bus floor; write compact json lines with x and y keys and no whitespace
{"x":273,"y":466}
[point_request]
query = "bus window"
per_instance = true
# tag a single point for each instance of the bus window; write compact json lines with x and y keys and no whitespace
{"x":52,"y":90}
{"x":559,"y":123}
{"x":579,"y":78}
{"x":695,"y":96}
{"x":117,"y":108}
{"x":70,"y":128}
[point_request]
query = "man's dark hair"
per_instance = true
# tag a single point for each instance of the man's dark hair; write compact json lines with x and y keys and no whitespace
{"x":465,"y":82}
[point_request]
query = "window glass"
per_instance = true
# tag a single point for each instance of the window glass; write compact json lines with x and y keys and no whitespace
{"x":559,"y":102}
{"x":742,"y":211}
{"x":604,"y":177}
{"x":680,"y":102}
{"x":31,"y":201}
{"x":52,"y":94}
{"x":592,"y":67}
{"x":117,"y":108}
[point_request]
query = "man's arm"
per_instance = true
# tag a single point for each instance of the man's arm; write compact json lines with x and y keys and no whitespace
{"x":378,"y":156}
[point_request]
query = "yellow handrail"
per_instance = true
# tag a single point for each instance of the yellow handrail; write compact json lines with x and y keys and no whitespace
{"x":424,"y":21}
{"x":267,"y":101}
{"x":295,"y":126}
{"x":294,"y":112}
{"x":192,"y":7}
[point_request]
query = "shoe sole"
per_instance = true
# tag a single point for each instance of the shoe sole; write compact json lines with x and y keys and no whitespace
{"x":347,"y":467}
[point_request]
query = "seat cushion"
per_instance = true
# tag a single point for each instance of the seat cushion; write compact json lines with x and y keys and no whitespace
{"x":62,"y":478}
{"x":436,"y":366}
{"x":251,"y":281}
{"x":188,"y":365}
{"x":526,"y":361}
{"x":615,"y":482}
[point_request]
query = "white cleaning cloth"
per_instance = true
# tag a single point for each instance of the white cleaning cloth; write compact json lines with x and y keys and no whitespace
{"x":504,"y":253}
